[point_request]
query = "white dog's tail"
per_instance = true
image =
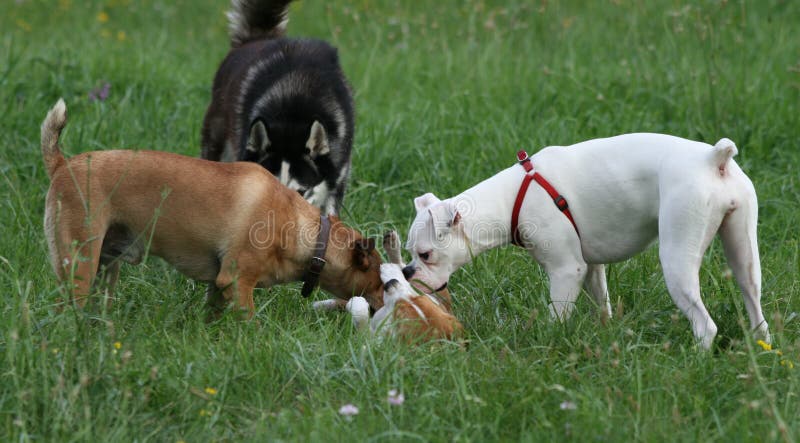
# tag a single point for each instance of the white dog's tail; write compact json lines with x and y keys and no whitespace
{"x":250,"y":20}
{"x":723,"y":151}
{"x":51,"y":130}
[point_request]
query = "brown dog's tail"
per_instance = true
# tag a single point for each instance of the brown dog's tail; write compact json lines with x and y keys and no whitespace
{"x":250,"y":20}
{"x":51,"y":129}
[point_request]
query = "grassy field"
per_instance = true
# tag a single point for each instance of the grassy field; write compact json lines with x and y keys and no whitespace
{"x":446,"y":92}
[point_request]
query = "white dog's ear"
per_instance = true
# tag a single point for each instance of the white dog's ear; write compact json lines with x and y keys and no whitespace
{"x":258,"y":141}
{"x":317,"y":143}
{"x":445,"y":215}
{"x":425,"y":200}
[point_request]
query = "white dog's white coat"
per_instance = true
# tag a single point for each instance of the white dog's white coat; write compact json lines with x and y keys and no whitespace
{"x":624,"y":192}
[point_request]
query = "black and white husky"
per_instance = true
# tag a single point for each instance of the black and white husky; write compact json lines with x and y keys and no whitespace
{"x":282,"y":102}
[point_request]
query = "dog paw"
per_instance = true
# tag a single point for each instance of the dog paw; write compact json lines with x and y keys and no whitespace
{"x":762,"y":333}
{"x":359,"y":310}
{"x":391,"y":285}
{"x":391,"y":244}
{"x":331,"y":304}
{"x":391,"y":271}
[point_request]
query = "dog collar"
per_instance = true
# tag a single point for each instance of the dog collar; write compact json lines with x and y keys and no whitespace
{"x":311,"y":278}
{"x":558,"y":199}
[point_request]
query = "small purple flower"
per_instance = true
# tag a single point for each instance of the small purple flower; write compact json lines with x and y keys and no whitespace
{"x":348,"y":410}
{"x":395,"y":398}
{"x":101,"y":93}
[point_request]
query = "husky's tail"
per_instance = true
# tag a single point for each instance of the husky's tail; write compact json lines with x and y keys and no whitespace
{"x":51,"y":129}
{"x":722,"y":153}
{"x":250,"y":20}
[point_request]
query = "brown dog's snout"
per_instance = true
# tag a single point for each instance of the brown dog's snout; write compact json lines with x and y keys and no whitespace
{"x":409,"y":271}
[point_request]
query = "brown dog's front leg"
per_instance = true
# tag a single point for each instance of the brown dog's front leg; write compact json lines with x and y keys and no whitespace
{"x":106,"y":280}
{"x":215,"y":303}
{"x":237,"y":287}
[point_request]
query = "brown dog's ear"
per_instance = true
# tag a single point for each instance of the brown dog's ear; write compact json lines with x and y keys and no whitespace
{"x":361,"y":251}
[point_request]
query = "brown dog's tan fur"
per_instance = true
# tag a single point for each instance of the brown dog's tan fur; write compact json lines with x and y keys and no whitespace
{"x":231,"y":224}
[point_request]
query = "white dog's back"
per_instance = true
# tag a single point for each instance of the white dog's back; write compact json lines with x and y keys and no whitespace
{"x":591,"y":177}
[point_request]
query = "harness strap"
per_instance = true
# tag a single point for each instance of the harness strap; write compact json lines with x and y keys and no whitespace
{"x":558,"y":199}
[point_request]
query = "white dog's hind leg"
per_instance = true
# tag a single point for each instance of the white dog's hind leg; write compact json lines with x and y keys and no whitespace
{"x":686,"y":226}
{"x":738,"y":234}
{"x":595,"y":284}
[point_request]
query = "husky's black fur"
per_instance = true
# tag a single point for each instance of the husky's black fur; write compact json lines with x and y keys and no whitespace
{"x":282,"y":102}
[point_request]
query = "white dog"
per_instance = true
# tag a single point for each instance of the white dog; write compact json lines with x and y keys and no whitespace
{"x":622,"y":192}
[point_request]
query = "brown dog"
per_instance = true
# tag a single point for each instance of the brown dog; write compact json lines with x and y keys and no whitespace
{"x":230,"y":224}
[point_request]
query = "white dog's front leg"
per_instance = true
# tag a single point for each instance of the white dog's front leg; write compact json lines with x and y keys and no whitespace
{"x":595,"y":283}
{"x":565,"y":285}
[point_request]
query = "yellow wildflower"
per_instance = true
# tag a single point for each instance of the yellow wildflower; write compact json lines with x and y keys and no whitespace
{"x":204,"y":413}
{"x":64,"y":4}
{"x":787,"y":363}
{"x":117,"y":345}
{"x":764,"y":345}
{"x":24,"y":25}
{"x":102,"y":17}
{"x":211,"y":391}
{"x":121,"y":36}
{"x":105,"y":33}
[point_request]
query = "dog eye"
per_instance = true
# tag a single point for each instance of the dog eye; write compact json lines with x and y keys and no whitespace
{"x":425,"y":255}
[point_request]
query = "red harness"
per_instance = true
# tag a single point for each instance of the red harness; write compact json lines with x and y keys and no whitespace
{"x":558,"y":199}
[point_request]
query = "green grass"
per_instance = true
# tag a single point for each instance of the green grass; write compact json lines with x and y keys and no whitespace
{"x":446,"y":93}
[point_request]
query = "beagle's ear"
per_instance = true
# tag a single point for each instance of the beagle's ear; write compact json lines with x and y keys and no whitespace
{"x":317,"y":143}
{"x":258,"y":141}
{"x":425,"y":201}
{"x":362,"y":249}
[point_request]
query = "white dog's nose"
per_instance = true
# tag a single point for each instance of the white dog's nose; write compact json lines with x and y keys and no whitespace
{"x":409,"y":271}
